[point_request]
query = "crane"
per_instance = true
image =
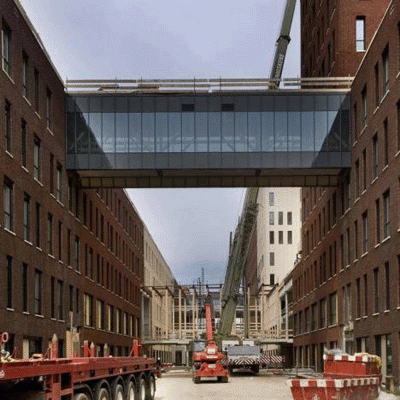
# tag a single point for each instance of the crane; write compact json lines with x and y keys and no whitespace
{"x":240,"y":245}
{"x":206,"y":363}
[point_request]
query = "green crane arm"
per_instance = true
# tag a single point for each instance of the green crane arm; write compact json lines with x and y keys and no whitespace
{"x":237,"y":261}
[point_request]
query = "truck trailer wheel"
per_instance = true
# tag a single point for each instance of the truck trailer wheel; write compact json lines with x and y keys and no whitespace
{"x":81,"y":396}
{"x":102,"y":394}
{"x":150,"y":387}
{"x":142,"y":388}
{"x":118,"y":392}
{"x":131,"y":390}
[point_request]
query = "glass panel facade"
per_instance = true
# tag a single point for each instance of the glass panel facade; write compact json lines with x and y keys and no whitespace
{"x":297,"y":130}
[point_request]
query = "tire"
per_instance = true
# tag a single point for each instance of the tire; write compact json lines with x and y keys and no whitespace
{"x":102,"y":394}
{"x":81,"y":396}
{"x":131,"y":391}
{"x":196,"y":379}
{"x":118,"y":392}
{"x":224,"y":379}
{"x":142,"y":389}
{"x":255,"y":369}
{"x":150,"y":387}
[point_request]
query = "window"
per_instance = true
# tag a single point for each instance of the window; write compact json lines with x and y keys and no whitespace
{"x":272,"y":279}
{"x":9,"y":282}
{"x":7,"y":126}
{"x":37,"y":90}
{"x":398,"y":281}
{"x":377,"y":221}
{"x":314,"y":317}
{"x":387,"y":286}
{"x":24,"y":287}
{"x":348,"y":245}
{"x":356,"y":253}
{"x":60,"y":300}
{"x":364,"y":157}
{"x":271,"y":258}
{"x":8,"y":196}
{"x":52,"y":298}
{"x":59,"y":183}
{"x":280,"y":218}
{"x":289,"y":218}
{"x":366,"y":294}
{"x":37,"y":224}
{"x":6,"y":49}
{"x":100,"y":311}
{"x":271,"y":196}
{"x":88,"y":310}
{"x":70,"y":202}
{"x":386,"y":142}
{"x":355,"y":118}
{"x":364,"y":107}
{"x":25,"y":80}
{"x":60,"y":240}
{"x":357,"y":178}
{"x":358,"y":298}
{"x":51,"y":173}
{"x":332,"y":309}
{"x":69,"y":247}
{"x":377,"y":84}
{"x":348,"y":303}
{"x":38,"y":292}
{"x":290,"y":237}
{"x":376,"y":290}
{"x":398,"y":126}
{"x":375,"y":156}
{"x":71,"y":299}
{"x":36,"y":159}
{"x":27,"y":217}
{"x":110,"y":318}
{"x":280,"y":237}
{"x":360,"y":33}
{"x":23,"y":143}
{"x":342,"y":252}
{"x":48,"y":109}
{"x":385,"y":71}
{"x":365,"y":232}
{"x":50,"y":234}
{"x":77,"y":255}
{"x":271,"y":218}
{"x":271,"y":237}
{"x":322,"y":314}
{"x":386,"y":214}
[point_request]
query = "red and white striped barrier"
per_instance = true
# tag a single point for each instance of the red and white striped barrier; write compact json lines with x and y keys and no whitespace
{"x":329,"y":389}
{"x":345,"y":378}
{"x":272,"y":359}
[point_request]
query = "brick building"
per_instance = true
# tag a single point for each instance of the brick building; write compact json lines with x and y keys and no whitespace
{"x":71,"y":259}
{"x":347,"y":286}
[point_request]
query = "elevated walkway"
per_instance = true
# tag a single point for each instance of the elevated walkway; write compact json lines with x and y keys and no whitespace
{"x":208,"y":133}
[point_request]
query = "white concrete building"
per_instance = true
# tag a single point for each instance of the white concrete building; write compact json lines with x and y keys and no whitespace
{"x":157,"y":299}
{"x":278,"y":233}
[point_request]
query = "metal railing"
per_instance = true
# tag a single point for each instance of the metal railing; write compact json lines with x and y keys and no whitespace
{"x":203,"y":85}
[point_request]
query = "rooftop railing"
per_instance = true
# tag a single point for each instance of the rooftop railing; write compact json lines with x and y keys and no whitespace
{"x":194,"y":85}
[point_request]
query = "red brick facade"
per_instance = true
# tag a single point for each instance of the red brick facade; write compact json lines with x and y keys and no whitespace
{"x":351,"y":234}
{"x":48,"y":217}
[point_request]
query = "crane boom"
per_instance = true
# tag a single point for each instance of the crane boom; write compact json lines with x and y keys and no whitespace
{"x":283,"y":41}
{"x":209,"y":328}
{"x":239,"y":248}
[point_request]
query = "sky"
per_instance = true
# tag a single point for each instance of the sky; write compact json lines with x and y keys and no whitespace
{"x":153,"y":39}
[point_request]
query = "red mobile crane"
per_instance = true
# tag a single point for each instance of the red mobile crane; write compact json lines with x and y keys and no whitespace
{"x":206,"y":364}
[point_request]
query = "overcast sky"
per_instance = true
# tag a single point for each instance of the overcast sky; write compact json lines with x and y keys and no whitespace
{"x":174,"y":39}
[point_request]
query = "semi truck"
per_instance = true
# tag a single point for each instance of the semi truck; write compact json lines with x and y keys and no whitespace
{"x":47,"y":377}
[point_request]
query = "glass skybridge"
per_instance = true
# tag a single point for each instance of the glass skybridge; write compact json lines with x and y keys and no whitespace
{"x":147,"y":137}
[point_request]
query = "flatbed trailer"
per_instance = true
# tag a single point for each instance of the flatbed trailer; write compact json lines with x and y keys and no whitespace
{"x":79,"y":378}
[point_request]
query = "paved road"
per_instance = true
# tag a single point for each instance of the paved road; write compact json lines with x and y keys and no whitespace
{"x":178,"y":385}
